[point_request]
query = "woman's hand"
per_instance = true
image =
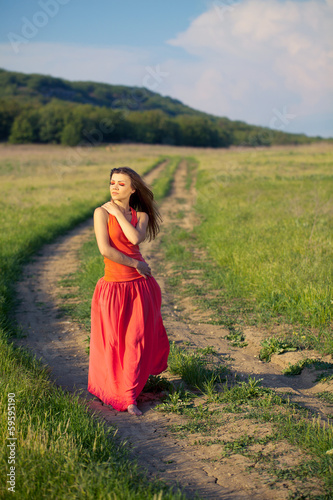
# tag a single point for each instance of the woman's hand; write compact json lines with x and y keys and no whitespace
{"x":143,"y":269}
{"x":112,"y":208}
{"x":135,"y":234}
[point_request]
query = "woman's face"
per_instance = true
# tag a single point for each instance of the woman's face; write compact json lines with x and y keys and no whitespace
{"x":120,"y":187}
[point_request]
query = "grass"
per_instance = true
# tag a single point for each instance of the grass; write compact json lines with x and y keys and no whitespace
{"x":326,"y":396}
{"x":272,"y":346}
{"x":249,"y":203}
{"x":193,"y":367}
{"x":236,"y":337}
{"x":181,"y":249}
{"x":204,"y":415}
{"x":91,"y":266}
{"x":61,"y":451}
{"x":176,"y":401}
{"x":191,"y":168}
{"x":162,"y":185}
{"x":297,"y":368}
{"x":248,"y":405}
{"x":263,"y":244}
{"x":266,"y":222}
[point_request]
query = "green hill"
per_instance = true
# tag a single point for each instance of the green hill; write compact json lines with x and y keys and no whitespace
{"x":41,"y":108}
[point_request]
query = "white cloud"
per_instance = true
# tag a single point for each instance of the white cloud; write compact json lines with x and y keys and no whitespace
{"x":265,"y":54}
{"x":248,"y":58}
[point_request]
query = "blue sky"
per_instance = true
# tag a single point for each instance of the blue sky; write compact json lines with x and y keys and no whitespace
{"x":267,"y":62}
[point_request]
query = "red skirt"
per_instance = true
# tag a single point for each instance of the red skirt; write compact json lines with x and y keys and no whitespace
{"x":128,"y":340}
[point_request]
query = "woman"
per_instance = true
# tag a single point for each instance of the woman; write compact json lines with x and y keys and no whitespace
{"x":128,"y":340}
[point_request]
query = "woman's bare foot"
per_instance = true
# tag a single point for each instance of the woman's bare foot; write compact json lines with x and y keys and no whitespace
{"x":134,"y":410}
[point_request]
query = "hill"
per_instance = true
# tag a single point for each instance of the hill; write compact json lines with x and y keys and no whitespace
{"x":41,"y":108}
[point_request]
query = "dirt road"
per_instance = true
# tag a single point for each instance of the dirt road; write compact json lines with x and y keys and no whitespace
{"x":60,"y":344}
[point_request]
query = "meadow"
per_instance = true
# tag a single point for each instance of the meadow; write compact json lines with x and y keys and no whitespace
{"x":267,"y":222}
{"x":265,"y":225}
{"x":61,"y":452}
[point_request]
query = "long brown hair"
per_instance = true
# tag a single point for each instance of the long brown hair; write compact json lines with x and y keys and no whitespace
{"x":142,"y":200}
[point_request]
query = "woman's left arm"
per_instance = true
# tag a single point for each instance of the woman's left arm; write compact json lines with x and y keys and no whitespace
{"x":134,"y":234}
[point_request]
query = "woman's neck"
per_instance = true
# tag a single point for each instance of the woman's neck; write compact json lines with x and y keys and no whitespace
{"x":124,"y":207}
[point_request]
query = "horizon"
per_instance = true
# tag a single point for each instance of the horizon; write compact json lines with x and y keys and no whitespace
{"x":266,"y":63}
{"x":127,"y":86}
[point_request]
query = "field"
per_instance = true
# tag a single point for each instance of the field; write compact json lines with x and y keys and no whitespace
{"x":257,"y":257}
{"x":272,"y":234}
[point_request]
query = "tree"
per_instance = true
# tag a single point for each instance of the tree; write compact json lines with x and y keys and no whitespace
{"x":153,"y":127}
{"x":9,"y":110}
{"x":25,"y":128}
{"x":52,"y":119}
{"x":70,"y":135}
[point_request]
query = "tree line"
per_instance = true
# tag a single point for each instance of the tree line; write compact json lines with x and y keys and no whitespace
{"x":72,"y":124}
{"x":43,"y":109}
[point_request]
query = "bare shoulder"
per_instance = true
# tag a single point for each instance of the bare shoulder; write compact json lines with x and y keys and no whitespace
{"x":142,"y":216}
{"x":101,"y":217}
{"x":100,"y":213}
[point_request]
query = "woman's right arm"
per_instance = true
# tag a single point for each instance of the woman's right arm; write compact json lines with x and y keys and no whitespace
{"x":103,"y":242}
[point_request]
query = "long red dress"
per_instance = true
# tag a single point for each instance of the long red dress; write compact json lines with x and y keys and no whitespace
{"x":128,"y":340}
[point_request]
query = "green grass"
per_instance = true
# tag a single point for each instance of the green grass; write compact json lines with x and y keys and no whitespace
{"x":208,"y":410}
{"x":236,"y":337}
{"x":193,"y":367}
{"x":248,"y":401}
{"x":266,"y":230}
{"x":61,"y":451}
{"x":176,"y":401}
{"x":325,"y":377}
{"x":297,"y":368}
{"x":267,"y":226}
{"x":180,"y":249}
{"x":326,"y":396}
{"x":191,"y":168}
{"x":162,"y":185}
{"x":273,"y":345}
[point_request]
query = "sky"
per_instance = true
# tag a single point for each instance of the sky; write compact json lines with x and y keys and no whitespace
{"x":265,"y":62}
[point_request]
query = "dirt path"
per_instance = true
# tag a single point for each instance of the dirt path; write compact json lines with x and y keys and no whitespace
{"x":60,"y":344}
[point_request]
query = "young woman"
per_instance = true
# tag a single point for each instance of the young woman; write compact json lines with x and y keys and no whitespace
{"x":128,"y":340}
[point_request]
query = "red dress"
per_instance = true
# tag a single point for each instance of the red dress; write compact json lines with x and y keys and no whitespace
{"x":128,"y":340}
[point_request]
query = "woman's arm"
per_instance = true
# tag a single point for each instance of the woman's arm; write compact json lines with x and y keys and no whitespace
{"x":134,"y":234}
{"x":102,"y":237}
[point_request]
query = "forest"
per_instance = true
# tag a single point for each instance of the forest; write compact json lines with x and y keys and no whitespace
{"x":43,"y":109}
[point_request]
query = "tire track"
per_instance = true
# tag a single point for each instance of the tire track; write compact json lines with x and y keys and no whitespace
{"x":60,"y":344}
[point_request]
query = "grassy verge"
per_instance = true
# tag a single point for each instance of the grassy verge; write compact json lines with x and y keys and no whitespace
{"x":262,"y":245}
{"x":266,"y":224}
{"x":61,"y":452}
{"x":243,"y":418}
{"x":282,"y":443}
{"x":162,"y":185}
